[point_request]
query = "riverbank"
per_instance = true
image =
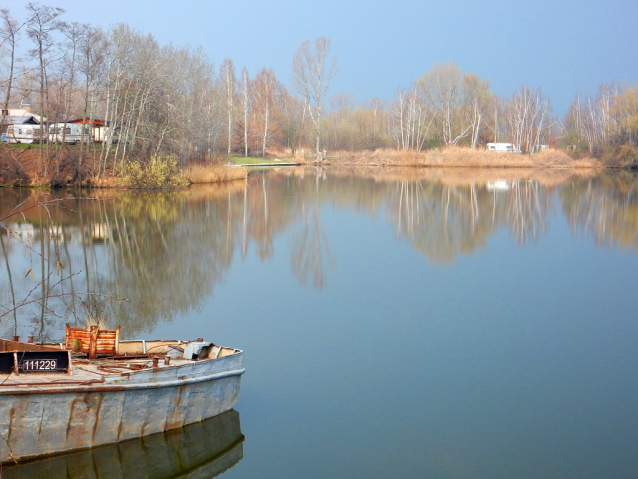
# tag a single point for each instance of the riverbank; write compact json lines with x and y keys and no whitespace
{"x":24,"y":167}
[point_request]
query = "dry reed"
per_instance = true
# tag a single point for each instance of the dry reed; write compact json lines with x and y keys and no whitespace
{"x":214,"y":174}
{"x":103,"y":181}
{"x":462,"y":157}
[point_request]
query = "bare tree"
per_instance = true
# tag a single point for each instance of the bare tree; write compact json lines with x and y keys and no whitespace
{"x":477,"y":99}
{"x":293,"y":117}
{"x":266,"y":89}
{"x":312,"y":76}
{"x":92,"y":55}
{"x":528,"y":115}
{"x":227,"y":75}
{"x":42,"y":23}
{"x":376,"y":109}
{"x":442,"y":89}
{"x":245,"y":105}
{"x":73,"y":33}
{"x":9,"y":31}
{"x":411,"y":119}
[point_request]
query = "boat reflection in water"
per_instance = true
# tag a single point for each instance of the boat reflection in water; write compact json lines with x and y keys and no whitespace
{"x":204,"y":449}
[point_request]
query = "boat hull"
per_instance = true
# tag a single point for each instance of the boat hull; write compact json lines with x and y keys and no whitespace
{"x":42,"y":421}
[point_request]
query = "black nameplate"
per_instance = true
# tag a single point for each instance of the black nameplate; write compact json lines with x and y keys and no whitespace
{"x":43,"y":362}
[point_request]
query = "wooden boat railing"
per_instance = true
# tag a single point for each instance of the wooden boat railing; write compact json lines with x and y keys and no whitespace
{"x":93,"y":341}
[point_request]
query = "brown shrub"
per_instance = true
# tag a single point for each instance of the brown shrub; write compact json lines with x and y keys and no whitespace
{"x":12,"y":172}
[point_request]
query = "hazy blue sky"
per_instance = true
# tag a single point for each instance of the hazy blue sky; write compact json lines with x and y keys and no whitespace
{"x":562,"y":46}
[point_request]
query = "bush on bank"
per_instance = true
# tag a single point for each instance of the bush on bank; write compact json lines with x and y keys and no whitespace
{"x":159,"y":172}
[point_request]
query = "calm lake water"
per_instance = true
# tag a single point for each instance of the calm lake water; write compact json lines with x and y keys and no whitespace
{"x":408,"y":324}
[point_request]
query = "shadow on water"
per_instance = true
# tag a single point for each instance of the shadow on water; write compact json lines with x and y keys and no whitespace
{"x":204,"y":449}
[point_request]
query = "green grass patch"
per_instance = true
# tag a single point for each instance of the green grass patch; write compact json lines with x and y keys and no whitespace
{"x":23,"y":146}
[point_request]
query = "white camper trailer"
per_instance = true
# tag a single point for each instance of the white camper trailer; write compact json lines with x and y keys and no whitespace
{"x":104,"y":133}
{"x":502,"y":147}
{"x":24,"y":134}
{"x":69,"y":133}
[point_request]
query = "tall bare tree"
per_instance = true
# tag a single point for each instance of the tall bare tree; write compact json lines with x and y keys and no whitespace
{"x":477,"y":100}
{"x":245,"y":105}
{"x":528,"y":116}
{"x":312,"y":73}
{"x":41,"y":25}
{"x":93,"y":46}
{"x":227,"y":75}
{"x":441,"y":87}
{"x":9,"y":30}
{"x":411,"y":119}
{"x":265,"y":89}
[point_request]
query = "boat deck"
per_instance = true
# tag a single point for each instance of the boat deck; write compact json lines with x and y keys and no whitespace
{"x":84,"y":371}
{"x":156,"y":360}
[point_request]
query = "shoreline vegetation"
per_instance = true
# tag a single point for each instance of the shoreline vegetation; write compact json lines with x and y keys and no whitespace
{"x":19,"y":167}
{"x":463,"y":157}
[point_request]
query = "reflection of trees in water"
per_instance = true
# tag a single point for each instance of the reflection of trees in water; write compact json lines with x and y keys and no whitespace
{"x":440,"y":221}
{"x":274,"y":202}
{"x":158,"y":249}
{"x":444,"y":221}
{"x":166,"y":262}
{"x":165,"y":251}
{"x":310,"y":250}
{"x":605,"y":207}
{"x":39,"y":276}
{"x":528,"y":205}
{"x":7,"y":292}
{"x":310,"y":253}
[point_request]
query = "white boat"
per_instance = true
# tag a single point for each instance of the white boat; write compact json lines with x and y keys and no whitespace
{"x":94,"y":390}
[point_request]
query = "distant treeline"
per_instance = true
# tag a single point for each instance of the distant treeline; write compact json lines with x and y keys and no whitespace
{"x":172,"y":101}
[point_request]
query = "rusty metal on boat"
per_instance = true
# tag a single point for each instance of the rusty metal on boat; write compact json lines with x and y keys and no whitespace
{"x":81,"y":394}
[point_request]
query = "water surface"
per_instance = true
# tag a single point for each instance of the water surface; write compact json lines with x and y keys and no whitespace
{"x":464,"y":324}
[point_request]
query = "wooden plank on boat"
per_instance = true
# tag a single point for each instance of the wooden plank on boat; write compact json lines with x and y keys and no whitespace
{"x":7,"y":345}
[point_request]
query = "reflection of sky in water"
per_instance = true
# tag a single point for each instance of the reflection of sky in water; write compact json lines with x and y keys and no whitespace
{"x":516,"y":359}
